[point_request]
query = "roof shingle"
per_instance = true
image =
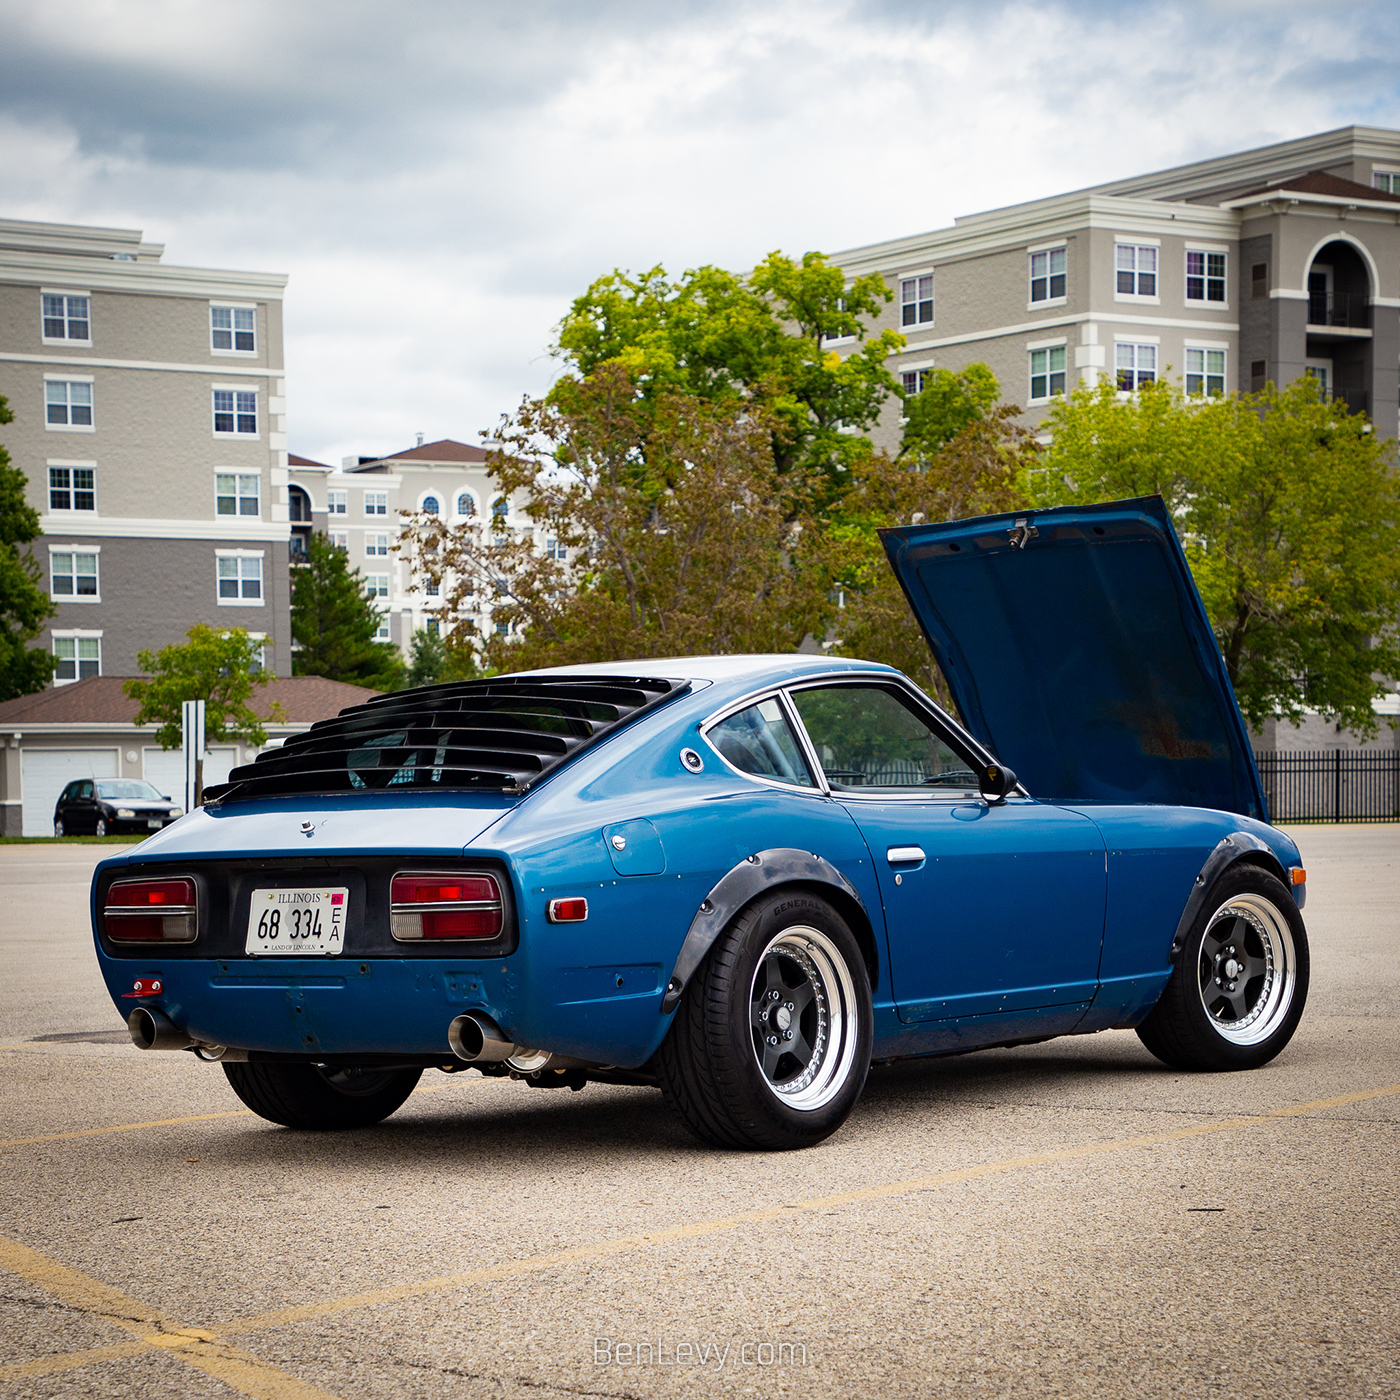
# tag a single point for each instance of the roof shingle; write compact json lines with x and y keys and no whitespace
{"x":1333,"y":186}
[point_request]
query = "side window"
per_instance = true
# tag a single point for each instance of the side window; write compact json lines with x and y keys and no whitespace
{"x":85,"y":792}
{"x":869,"y":740}
{"x":760,"y":741}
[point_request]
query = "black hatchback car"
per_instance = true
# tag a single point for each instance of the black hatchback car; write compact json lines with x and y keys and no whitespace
{"x":106,"y":806}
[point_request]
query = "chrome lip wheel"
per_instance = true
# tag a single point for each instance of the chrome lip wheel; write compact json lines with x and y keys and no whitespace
{"x":357,"y":1083}
{"x":1247,"y":969}
{"x":802,"y":1015}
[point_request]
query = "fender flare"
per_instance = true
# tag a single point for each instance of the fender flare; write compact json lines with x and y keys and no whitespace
{"x":781,"y":865}
{"x":1229,"y":850}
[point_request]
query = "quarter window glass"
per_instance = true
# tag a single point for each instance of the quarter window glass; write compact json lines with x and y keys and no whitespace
{"x":760,"y":741}
{"x":870,"y":741}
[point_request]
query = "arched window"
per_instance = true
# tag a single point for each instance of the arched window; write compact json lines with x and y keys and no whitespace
{"x":466,"y":505}
{"x":430,"y":505}
{"x":498,"y":513}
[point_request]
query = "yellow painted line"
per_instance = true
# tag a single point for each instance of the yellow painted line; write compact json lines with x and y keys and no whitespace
{"x":151,"y":1329}
{"x":68,"y":1360}
{"x":627,"y":1244}
{"x":128,"y":1127}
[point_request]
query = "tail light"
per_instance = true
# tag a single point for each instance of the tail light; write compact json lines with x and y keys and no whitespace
{"x":446,"y":906}
{"x":151,"y":911}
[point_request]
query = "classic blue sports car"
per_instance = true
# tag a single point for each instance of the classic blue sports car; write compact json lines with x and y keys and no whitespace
{"x":743,"y":879}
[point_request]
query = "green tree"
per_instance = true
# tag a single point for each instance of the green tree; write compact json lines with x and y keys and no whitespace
{"x":24,"y":606}
{"x":694,"y":555}
{"x":950,"y":401}
{"x":1288,"y":508}
{"x":220,"y":666}
{"x":334,"y":621}
{"x":722,"y":337}
{"x":436,"y":660}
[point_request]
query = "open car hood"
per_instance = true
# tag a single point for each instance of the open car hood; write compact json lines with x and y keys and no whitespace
{"x":1079,"y":652}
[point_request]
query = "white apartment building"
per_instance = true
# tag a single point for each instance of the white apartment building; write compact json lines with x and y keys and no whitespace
{"x":1224,"y":274}
{"x":360,"y":506}
{"x":148,"y":405}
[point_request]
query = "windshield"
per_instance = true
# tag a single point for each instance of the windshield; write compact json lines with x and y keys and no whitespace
{"x":128,"y":790}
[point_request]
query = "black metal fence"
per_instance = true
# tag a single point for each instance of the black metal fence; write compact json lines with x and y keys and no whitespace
{"x":1332,"y":785}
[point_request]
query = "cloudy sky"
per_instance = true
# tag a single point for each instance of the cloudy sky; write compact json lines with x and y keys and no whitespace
{"x":440,"y":177}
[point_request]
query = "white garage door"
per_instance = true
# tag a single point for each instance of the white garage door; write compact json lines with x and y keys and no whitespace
{"x":46,"y":772}
{"x":165,"y":769}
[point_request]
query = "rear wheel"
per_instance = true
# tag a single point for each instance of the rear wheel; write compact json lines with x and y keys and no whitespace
{"x":58,"y":826}
{"x":316,"y":1096}
{"x":1238,"y":990}
{"x":771,"y":1043}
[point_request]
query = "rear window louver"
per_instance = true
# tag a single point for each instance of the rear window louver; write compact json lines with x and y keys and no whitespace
{"x":502,"y":734}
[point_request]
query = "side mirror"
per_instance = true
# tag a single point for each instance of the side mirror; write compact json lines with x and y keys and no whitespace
{"x":994,"y":781}
{"x":166,"y":798}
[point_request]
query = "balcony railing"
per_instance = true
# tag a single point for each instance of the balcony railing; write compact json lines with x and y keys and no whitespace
{"x":1349,"y":309}
{"x":1356,"y":400}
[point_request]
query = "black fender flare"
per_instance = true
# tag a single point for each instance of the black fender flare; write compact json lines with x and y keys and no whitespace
{"x":782,"y":865}
{"x":1229,"y":850}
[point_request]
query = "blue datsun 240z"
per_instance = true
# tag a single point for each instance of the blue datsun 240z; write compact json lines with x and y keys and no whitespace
{"x":742,"y":879}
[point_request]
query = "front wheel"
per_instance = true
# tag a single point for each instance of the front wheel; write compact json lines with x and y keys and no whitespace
{"x":319,"y":1096}
{"x":772,"y":1039}
{"x":58,"y":826}
{"x":1238,"y":990}
{"x":101,"y":828}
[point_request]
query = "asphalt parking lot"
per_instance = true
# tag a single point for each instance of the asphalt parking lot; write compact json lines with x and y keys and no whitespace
{"x":1063,"y":1219}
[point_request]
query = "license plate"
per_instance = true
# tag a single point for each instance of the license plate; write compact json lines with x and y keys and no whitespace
{"x":299,"y":923}
{"x":155,"y":825}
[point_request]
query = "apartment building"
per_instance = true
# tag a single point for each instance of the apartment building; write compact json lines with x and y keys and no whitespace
{"x":148,"y":405}
{"x":1223,"y":274}
{"x":360,"y":505}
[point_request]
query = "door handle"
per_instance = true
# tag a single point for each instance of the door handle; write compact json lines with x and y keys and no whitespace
{"x":904,"y":855}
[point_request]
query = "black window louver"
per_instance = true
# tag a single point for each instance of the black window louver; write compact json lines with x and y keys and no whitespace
{"x":502,"y":734}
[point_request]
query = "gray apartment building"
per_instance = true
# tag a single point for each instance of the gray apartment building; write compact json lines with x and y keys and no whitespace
{"x":360,"y":506}
{"x":1224,"y":274}
{"x":148,"y":405}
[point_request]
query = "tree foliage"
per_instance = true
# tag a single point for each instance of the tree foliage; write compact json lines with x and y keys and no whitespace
{"x":1289,"y":510}
{"x":334,"y":622}
{"x":674,"y":532}
{"x":220,"y":666}
{"x":24,"y":606}
{"x":435,"y":660}
{"x":950,"y":401}
{"x":758,"y":339}
{"x":976,"y":472}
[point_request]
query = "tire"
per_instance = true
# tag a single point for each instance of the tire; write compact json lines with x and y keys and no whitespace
{"x":1238,"y":990}
{"x":772,"y":1038}
{"x":101,"y":828}
{"x":309,"y":1096}
{"x":58,"y":826}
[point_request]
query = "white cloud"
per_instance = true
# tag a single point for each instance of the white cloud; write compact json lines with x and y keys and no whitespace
{"x":440,"y":179}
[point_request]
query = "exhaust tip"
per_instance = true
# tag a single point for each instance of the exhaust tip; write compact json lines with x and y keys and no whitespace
{"x":154,"y":1030}
{"x":477,"y":1039}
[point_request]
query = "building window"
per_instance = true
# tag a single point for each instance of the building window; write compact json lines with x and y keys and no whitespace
{"x":74,"y":574}
{"x":916,"y":300}
{"x":376,"y":544}
{"x":1048,"y":274}
{"x":236,"y":493}
{"x":340,"y":539}
{"x":236,"y":412}
{"x":68,"y":404}
{"x":382,"y":632}
{"x":67,"y":317}
{"x":432,"y":627}
{"x":432,"y":590}
{"x":240,"y":578}
{"x":430,"y":505}
{"x":1047,"y":372}
{"x":336,"y":502}
{"x":554,"y":550}
{"x":231,"y":328}
{"x":78,"y":658}
{"x":72,"y":488}
{"x":1258,"y":375}
{"x":376,"y":503}
{"x":377,"y":585}
{"x":499,"y":511}
{"x":1205,"y":372}
{"x":1205,"y":276}
{"x":1137,"y":365}
{"x":1259,"y":280}
{"x":1137,"y":270}
{"x":466,"y":504}
{"x":1387,"y":180}
{"x":913,"y":381}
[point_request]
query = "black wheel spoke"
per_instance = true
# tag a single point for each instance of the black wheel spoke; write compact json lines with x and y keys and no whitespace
{"x":798,"y":1046}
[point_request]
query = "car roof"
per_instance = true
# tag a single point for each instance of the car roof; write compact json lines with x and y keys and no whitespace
{"x":755,"y":668}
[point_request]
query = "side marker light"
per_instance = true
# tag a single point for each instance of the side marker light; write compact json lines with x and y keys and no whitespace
{"x":568,"y":911}
{"x":1297,"y":875}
